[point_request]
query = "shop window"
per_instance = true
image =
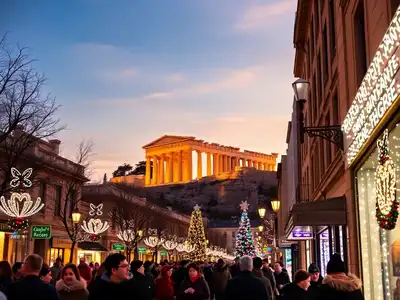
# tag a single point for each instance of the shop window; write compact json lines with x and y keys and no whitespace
{"x":57,"y":201}
{"x":308,"y":253}
{"x":394,"y":4}
{"x":360,"y":43}
{"x":332,"y":30}
{"x":380,"y":248}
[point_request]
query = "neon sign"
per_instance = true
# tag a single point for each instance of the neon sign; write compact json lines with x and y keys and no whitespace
{"x":379,"y":89}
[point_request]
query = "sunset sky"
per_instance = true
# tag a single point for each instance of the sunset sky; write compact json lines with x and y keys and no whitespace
{"x":127,"y":72}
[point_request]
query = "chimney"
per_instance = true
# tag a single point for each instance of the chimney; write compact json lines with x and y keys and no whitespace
{"x":19,"y":130}
{"x":55,"y":145}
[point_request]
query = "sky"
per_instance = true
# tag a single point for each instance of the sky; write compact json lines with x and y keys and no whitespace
{"x":127,"y":72}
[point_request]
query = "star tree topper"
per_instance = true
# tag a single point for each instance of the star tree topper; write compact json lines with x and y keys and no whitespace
{"x":244,"y":206}
{"x":196,"y":207}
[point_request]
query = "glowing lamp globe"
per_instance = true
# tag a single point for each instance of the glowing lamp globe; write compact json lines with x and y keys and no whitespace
{"x":276,"y":204}
{"x":260,"y":228}
{"x":76,"y":216}
{"x":261,"y":212}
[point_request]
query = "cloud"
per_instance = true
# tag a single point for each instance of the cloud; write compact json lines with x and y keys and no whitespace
{"x":261,"y":15}
{"x":175,"y":78}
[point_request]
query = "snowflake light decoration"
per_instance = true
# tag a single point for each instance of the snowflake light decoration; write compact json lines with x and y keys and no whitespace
{"x":95,"y":227}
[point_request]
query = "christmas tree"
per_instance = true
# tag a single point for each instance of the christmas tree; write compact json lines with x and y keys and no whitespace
{"x":244,"y":237}
{"x":196,"y":236}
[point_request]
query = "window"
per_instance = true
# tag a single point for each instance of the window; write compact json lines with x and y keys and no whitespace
{"x":325,"y":53}
{"x":360,"y":43}
{"x":312,"y":38}
{"x":328,"y":144}
{"x":335,"y":108}
{"x":57,"y":202}
{"x":43,"y":191}
{"x":332,"y":30}
{"x":316,"y":14}
{"x":394,"y":4}
{"x":314,"y":103}
{"x":320,"y":90}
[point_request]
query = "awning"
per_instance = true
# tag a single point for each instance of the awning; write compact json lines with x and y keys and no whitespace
{"x":91,"y":246}
{"x":331,"y":211}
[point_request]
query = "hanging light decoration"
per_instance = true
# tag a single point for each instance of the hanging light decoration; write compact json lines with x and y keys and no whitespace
{"x":94,"y":227}
{"x":153,"y":240}
{"x":180,"y":247}
{"x":126,"y":235}
{"x":188,"y":247}
{"x":170,"y":243}
{"x":20,"y":205}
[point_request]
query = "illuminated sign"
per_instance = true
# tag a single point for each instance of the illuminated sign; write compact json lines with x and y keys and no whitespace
{"x":379,"y":89}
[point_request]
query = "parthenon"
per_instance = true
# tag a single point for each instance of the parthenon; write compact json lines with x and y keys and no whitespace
{"x":171,"y":159}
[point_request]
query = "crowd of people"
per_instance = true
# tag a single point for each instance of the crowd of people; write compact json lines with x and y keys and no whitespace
{"x":247,"y":279}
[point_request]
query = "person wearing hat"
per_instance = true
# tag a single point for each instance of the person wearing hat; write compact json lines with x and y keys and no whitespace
{"x":316,"y":281}
{"x":144,"y":283}
{"x":339,"y":285}
{"x":297,"y":290}
{"x":164,"y":284}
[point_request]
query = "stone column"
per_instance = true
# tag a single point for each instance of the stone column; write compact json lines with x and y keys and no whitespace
{"x":265,"y":166}
{"x":162,"y":170}
{"x":189,"y":174}
{"x":221,"y":163}
{"x":170,"y":168}
{"x":208,"y":164}
{"x":155,"y":170}
{"x":249,"y":163}
{"x":216,"y":164}
{"x":259,"y":165}
{"x":148,"y":171}
{"x":180,"y":166}
{"x":199,"y":165}
{"x":237,"y":161}
{"x":226,"y":163}
{"x":272,"y":167}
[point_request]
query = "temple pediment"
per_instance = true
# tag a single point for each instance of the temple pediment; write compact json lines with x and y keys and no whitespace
{"x":167,"y":139}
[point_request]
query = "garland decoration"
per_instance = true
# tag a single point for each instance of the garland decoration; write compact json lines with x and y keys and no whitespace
{"x":385,"y":186}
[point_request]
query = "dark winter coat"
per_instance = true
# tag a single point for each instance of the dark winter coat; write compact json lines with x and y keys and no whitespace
{"x":32,"y":288}
{"x":221,"y":276}
{"x":164,"y":289}
{"x":340,"y":286}
{"x":144,"y":284}
{"x":270,"y":275}
{"x":76,"y":291}
{"x":178,"y":276}
{"x":313,"y":290}
{"x":246,"y":286}
{"x":259,"y":274}
{"x":200,"y":286}
{"x":293,"y":292}
{"x":105,"y":289}
{"x":281,"y":279}
{"x":235,"y":270}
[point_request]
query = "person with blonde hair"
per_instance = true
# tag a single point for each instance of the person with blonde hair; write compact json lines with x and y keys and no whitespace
{"x":31,"y":286}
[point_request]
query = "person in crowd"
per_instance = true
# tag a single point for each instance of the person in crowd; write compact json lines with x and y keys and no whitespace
{"x":96,"y":266}
{"x":6,"y":276}
{"x":116,"y":282}
{"x":148,"y":268}
{"x":96,"y":279}
{"x":257,"y":265}
{"x":245,"y":285}
{"x":164,"y":284}
{"x":195,"y":287}
{"x":145,"y":289}
{"x":45,"y":274}
{"x":208,"y":275}
{"x":281,"y":279}
{"x":71,"y":286}
{"x":31,"y":287}
{"x":16,"y":269}
{"x":269,"y":273}
{"x":298,"y":290}
{"x":337,"y":284}
{"x":316,"y":281}
{"x":221,"y":276}
{"x":179,"y":275}
{"x":235,"y":268}
{"x":85,"y":270}
{"x":56,"y":270}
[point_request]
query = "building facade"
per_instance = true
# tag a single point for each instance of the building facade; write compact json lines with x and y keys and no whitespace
{"x":335,"y":42}
{"x":169,"y":159}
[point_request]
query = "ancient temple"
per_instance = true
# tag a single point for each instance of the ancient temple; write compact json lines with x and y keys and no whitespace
{"x":171,"y":158}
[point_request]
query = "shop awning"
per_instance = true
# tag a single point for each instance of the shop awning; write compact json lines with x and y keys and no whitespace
{"x":91,"y":246}
{"x":327,"y":212}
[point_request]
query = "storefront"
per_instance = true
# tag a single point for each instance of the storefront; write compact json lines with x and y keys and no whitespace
{"x":372,"y":145}
{"x":91,"y":252}
{"x":60,"y":247}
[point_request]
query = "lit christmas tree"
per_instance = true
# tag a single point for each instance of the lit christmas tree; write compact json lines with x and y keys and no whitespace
{"x":196,"y":236}
{"x":244,"y":237}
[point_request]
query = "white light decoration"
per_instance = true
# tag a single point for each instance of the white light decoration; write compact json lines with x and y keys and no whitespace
{"x":126,"y":235}
{"x":153,"y":240}
{"x":180,"y":247}
{"x":94,"y":227}
{"x":189,"y":248}
{"x":209,"y":252}
{"x":378,"y":90}
{"x":21,"y":178}
{"x":170,"y":244}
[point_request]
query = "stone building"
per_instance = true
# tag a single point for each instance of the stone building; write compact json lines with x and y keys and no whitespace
{"x":335,"y":42}
{"x":172,"y":159}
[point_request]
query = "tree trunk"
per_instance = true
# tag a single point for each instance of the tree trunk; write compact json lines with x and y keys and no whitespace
{"x":135,"y":253}
{"x":128,"y":254}
{"x":71,"y":255}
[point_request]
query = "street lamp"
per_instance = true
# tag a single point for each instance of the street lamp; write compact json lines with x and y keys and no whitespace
{"x":260,"y":228}
{"x":300,"y":88}
{"x":261,"y":211}
{"x":76,"y":216}
{"x":275,"y":204}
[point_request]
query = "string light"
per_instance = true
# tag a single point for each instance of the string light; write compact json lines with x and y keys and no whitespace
{"x":196,"y":236}
{"x":126,"y":235}
{"x":94,"y":227}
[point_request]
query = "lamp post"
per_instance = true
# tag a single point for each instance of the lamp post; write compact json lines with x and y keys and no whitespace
{"x":275,"y":204}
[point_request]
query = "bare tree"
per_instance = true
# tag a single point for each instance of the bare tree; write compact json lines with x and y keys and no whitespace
{"x":72,"y":196}
{"x":23,"y":105}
